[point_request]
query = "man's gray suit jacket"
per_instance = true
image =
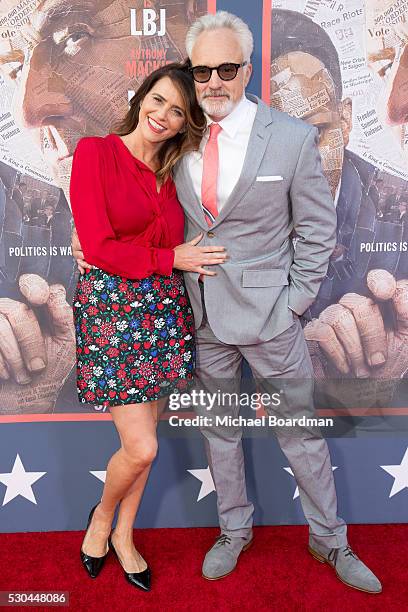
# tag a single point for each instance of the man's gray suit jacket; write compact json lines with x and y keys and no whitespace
{"x":266,"y":279}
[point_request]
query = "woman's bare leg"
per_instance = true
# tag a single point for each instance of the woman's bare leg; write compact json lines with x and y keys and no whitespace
{"x":136,"y":425}
{"x":122,"y":537}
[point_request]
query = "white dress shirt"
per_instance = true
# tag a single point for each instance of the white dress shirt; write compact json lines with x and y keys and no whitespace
{"x":232,"y":146}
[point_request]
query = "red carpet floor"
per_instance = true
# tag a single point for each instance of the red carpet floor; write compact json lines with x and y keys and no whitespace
{"x":277,"y":572}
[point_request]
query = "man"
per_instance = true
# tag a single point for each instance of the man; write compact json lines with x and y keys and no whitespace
{"x":260,"y":195}
{"x":241,"y":191}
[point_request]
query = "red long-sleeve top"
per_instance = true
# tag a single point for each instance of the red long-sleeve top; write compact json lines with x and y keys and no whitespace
{"x":124,"y":226}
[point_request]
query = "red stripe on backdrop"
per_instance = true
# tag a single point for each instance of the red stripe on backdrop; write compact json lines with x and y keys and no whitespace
{"x":329,"y":412}
{"x":266,"y":50}
{"x":74,"y":416}
{"x":321,"y":412}
{"x":334,"y":412}
{"x":212,"y":6}
{"x":40,"y":418}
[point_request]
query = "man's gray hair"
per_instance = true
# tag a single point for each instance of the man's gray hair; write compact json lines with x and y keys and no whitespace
{"x":221,"y":19}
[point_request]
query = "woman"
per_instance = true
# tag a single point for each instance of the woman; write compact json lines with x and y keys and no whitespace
{"x":134,"y":324}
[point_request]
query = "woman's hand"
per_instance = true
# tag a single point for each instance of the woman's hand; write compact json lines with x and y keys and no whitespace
{"x":192,"y":258}
{"x":78,"y":254}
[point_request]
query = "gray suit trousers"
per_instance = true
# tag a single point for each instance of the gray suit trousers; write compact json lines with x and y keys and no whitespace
{"x":284,"y":359}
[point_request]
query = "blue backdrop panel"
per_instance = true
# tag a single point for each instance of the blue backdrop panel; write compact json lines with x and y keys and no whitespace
{"x":68,"y":453}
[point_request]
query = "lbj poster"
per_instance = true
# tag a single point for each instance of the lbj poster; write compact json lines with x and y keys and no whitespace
{"x":342,"y":67}
{"x":67,"y":69}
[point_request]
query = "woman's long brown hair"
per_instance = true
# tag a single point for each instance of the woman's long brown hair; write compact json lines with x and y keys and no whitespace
{"x":174,"y":148}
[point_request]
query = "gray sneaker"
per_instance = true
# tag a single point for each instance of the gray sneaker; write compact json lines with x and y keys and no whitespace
{"x":348,"y":567}
{"x":222,"y":558}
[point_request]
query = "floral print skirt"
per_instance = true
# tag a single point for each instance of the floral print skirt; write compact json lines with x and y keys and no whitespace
{"x":135,"y":338}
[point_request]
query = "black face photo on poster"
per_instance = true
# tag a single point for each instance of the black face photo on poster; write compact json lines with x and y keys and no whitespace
{"x":357,"y":326}
{"x":64,"y":76}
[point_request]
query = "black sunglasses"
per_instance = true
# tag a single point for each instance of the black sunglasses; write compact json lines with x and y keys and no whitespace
{"x":226,"y":72}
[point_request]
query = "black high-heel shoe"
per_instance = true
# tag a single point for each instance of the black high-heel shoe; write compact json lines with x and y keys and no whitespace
{"x":137,"y":579}
{"x":93,"y":565}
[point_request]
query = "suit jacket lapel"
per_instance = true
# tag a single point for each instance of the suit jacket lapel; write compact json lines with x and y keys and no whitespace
{"x":189,"y":199}
{"x":258,"y":141}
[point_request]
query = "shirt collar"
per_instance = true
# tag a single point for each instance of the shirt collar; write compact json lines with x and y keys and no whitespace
{"x":232,"y":122}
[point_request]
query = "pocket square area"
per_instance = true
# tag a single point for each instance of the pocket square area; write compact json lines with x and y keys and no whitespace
{"x":265,"y":179}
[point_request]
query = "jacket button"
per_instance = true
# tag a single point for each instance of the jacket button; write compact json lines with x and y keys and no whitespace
{"x":210,"y":234}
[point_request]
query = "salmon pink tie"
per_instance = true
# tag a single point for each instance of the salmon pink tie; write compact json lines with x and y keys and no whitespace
{"x":210,"y":175}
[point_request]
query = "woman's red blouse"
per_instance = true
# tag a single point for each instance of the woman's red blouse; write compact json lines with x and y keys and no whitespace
{"x":124,"y":226}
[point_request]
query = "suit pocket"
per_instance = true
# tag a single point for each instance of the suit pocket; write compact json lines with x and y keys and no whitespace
{"x":264,"y":278}
{"x":268,"y":194}
{"x":269,"y":178}
{"x":266,"y":187}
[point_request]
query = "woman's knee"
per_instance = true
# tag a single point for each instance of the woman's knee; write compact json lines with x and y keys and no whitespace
{"x":140,"y":454}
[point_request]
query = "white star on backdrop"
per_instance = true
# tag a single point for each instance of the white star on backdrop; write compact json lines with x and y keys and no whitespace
{"x":100,"y":475}
{"x":399,"y":473}
{"x":18,"y":482}
{"x":289,"y":471}
{"x":207,"y":483}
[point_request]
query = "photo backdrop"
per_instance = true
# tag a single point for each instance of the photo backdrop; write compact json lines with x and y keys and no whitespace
{"x":67,"y":70}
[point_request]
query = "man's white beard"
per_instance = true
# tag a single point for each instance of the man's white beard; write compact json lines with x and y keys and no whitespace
{"x":217,"y":109}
